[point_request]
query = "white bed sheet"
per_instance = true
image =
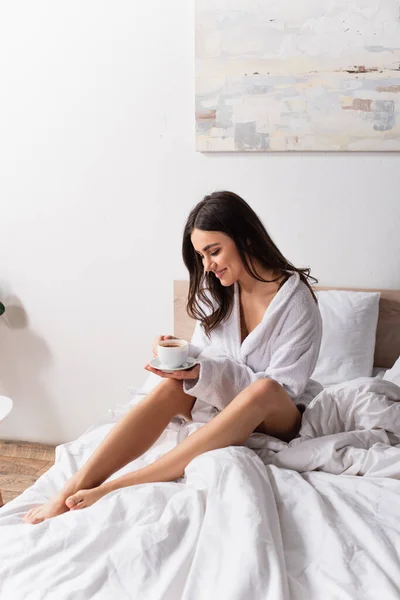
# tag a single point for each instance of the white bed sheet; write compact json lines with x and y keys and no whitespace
{"x":316,"y":519}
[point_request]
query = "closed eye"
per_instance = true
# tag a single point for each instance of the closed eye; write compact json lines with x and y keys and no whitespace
{"x":211,"y":253}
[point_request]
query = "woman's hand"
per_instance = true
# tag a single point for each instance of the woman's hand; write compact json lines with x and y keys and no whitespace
{"x":192,"y":373}
{"x":158,"y":339}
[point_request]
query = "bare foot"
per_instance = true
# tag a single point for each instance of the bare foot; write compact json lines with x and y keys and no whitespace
{"x":54,"y":507}
{"x":85,"y":498}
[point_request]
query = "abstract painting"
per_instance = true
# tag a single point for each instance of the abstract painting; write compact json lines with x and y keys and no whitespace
{"x":285,"y":75}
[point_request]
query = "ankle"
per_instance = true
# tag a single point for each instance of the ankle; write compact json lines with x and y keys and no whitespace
{"x":74,"y":483}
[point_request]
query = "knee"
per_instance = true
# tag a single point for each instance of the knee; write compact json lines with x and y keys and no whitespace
{"x":264,"y":386}
{"x":263,"y":389}
{"x":172,"y":397}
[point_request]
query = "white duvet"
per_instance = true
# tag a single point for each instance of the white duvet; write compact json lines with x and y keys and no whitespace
{"x":316,"y":519}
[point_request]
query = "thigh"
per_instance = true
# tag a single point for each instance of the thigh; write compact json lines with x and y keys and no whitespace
{"x":283,"y":418}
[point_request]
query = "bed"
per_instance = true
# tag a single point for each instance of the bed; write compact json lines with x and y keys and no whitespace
{"x":316,"y":519}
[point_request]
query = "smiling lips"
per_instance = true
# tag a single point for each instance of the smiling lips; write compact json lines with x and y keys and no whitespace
{"x":219,"y":274}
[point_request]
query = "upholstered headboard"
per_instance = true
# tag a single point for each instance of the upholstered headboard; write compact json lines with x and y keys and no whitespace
{"x":387,"y":348}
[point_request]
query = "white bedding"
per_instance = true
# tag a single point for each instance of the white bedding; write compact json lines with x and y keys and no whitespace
{"x":302,"y":526}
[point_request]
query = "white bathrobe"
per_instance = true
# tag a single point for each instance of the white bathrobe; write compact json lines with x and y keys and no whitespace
{"x":283,"y":347}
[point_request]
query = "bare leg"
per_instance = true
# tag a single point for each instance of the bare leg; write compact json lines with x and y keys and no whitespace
{"x":263,"y":405}
{"x":135,"y":433}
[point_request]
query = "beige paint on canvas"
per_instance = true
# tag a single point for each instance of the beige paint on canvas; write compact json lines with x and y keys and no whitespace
{"x":273,"y":77}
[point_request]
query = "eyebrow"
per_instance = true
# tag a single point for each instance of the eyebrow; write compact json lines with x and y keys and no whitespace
{"x":208,"y":247}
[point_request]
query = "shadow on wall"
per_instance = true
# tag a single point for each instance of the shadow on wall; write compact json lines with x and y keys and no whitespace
{"x":23,"y":358}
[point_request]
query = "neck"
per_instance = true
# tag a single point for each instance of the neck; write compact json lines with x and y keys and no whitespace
{"x":250,"y":285}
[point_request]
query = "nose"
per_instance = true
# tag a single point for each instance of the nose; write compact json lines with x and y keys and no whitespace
{"x":208,"y":263}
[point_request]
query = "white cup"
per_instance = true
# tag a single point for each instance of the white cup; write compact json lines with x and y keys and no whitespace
{"x":173,"y":353}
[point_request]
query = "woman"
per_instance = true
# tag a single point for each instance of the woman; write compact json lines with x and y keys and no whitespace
{"x":257,"y":340}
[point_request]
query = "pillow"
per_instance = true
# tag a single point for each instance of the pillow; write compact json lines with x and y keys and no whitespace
{"x":393,"y":374}
{"x":348,"y":337}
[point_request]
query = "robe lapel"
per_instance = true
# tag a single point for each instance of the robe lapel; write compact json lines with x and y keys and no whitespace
{"x":262,"y":333}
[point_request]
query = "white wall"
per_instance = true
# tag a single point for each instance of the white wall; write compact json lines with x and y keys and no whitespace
{"x":97,"y":175}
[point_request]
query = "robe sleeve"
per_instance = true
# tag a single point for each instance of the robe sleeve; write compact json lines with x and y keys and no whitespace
{"x":293,"y":360}
{"x":198,"y":342}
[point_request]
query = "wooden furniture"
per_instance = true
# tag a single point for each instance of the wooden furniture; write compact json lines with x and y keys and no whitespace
{"x":21,"y":464}
{"x":387,"y":347}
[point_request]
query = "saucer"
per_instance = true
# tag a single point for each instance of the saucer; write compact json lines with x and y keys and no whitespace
{"x":155,"y":363}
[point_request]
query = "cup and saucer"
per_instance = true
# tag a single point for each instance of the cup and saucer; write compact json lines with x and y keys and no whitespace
{"x":173,"y":355}
{"x":188,"y":364}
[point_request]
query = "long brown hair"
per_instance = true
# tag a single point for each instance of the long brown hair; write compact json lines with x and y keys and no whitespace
{"x":228,"y":213}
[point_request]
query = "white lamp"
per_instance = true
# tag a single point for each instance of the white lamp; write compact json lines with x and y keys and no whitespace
{"x":6,"y":405}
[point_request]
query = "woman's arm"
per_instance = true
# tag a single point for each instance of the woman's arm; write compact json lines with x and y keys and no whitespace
{"x":293,"y":360}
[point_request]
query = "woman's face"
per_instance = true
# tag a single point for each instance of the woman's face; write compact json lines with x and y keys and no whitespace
{"x":219,"y":255}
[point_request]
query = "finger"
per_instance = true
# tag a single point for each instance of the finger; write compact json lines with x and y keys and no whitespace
{"x":176,"y":374}
{"x":155,"y":371}
{"x":165,"y":374}
{"x":158,"y":371}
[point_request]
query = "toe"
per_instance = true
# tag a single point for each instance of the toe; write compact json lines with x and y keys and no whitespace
{"x":33,"y":517}
{"x":77,"y":500}
{"x":37,"y":519}
{"x":30,"y":515}
{"x":80,"y":502}
{"x":73,"y":500}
